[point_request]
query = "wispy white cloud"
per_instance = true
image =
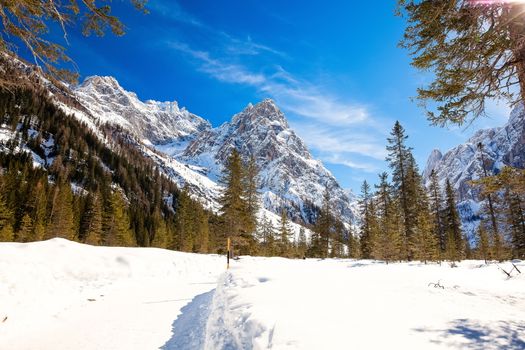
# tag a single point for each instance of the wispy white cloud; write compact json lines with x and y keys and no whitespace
{"x":338,"y":159}
{"x":236,"y":46}
{"x":341,"y":140}
{"x":340,"y":131}
{"x":172,"y":10}
{"x":227,"y":72}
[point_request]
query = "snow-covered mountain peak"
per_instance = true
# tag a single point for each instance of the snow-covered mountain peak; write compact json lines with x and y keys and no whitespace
{"x":289,"y":175}
{"x":265,"y":112}
{"x":156,"y":122}
{"x":104,"y":85}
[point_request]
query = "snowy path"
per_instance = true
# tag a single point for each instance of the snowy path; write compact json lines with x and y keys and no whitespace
{"x":59,"y":295}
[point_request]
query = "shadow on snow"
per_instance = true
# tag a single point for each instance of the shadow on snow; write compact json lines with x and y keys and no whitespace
{"x":189,"y":329}
{"x":508,"y":335}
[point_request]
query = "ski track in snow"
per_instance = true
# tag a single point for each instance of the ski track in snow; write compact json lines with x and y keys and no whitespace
{"x":63,"y":295}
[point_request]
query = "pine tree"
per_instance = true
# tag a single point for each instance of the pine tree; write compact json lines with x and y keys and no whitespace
{"x":40,"y":212}
{"x":418,"y":202}
{"x":400,"y":160}
{"x":202,"y":231}
{"x":26,"y":231}
{"x":389,"y":237}
{"x":183,"y":240}
{"x":507,"y":192}
{"x":160,"y":238}
{"x":266,"y":236}
{"x":302,"y":243}
{"x":483,"y":246}
{"x":426,"y":244}
{"x":62,"y":222}
{"x":234,"y":207}
{"x":6,"y":219}
{"x":454,"y":244}
{"x":26,"y":22}
{"x":368,"y":226}
{"x":285,"y":235}
{"x":338,"y":241}
{"x":324,"y":225}
{"x":118,"y":232}
{"x":251,"y":194}
{"x":92,"y":221}
{"x":436,"y":201}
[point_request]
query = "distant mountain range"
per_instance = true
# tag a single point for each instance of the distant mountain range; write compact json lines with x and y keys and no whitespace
{"x":289,"y":176}
{"x":186,"y":148}
{"x":190,"y":151}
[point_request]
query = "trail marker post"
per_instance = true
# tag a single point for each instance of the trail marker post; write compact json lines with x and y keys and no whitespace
{"x":228,"y":254}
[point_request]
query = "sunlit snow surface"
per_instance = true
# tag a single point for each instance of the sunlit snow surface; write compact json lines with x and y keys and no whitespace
{"x":63,"y":295}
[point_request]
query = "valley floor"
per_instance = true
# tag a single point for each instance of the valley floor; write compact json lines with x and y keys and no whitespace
{"x":63,"y":295}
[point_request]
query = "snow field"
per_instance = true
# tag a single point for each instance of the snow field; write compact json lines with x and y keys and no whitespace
{"x":346,"y":304}
{"x":64,"y":295}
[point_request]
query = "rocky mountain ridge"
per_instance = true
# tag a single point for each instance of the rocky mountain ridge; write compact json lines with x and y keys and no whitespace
{"x":501,"y":146}
{"x":191,"y":151}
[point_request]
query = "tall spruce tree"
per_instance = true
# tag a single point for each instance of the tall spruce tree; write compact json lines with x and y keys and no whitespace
{"x":62,"y":220}
{"x":401,"y":162}
{"x":454,"y":244}
{"x":251,"y":193}
{"x":389,"y":237}
{"x":302,"y":243}
{"x":118,"y":230}
{"x":324,"y":225}
{"x":160,"y":238}
{"x":426,"y":243}
{"x":183,"y":239}
{"x":285,"y":235}
{"x":92,"y":220}
{"x":436,"y":202}
{"x":266,"y":236}
{"x":40,"y":212}
{"x":368,"y":222}
{"x":25,"y":232}
{"x":234,"y":206}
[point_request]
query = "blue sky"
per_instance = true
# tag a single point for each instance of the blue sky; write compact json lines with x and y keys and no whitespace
{"x":333,"y":67}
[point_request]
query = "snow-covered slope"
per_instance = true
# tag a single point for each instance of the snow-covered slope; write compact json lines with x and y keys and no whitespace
{"x":156,"y":122}
{"x":501,"y":146}
{"x":61,"y":295}
{"x":289,"y":175}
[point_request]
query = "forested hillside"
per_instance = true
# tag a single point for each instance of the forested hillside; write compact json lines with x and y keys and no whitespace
{"x":99,"y":191}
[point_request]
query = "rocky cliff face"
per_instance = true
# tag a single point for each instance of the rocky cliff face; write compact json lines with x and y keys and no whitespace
{"x":501,"y":146}
{"x":289,"y":175}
